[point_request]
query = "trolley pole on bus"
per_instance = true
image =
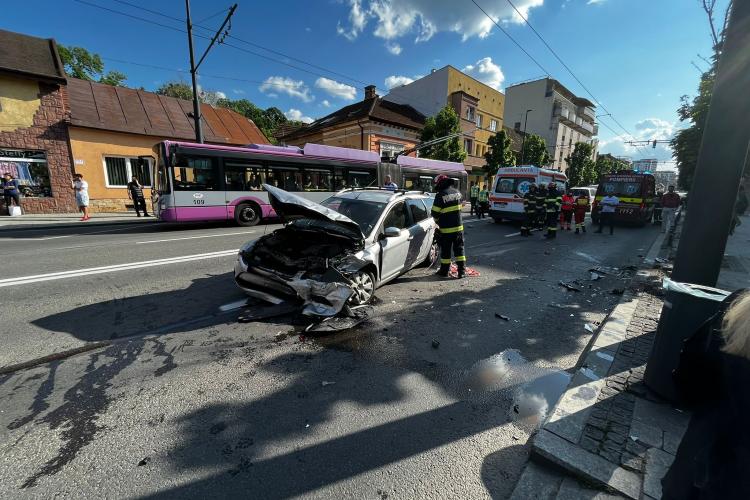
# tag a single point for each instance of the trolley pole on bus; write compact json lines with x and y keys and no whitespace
{"x":194,"y":67}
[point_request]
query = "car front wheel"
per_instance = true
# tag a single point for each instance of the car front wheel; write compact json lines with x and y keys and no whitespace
{"x":363,"y":283}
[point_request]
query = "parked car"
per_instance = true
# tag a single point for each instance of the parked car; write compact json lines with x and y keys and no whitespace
{"x":337,"y":252}
{"x":585,"y":191}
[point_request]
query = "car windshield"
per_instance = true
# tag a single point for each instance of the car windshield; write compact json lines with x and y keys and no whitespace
{"x":364,"y":213}
{"x":620,"y":188}
{"x":580,"y":192}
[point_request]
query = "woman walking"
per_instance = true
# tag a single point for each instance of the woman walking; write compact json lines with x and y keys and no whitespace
{"x":81,"y":188}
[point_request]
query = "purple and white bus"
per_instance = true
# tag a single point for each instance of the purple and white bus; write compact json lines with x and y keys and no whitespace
{"x":203,"y":182}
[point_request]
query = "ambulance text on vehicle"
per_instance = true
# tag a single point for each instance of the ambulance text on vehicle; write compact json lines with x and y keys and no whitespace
{"x":512,"y":183}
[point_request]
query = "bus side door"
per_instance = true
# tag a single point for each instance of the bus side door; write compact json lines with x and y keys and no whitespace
{"x":198,"y":190}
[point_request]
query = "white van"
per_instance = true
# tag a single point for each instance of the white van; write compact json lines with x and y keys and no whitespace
{"x":512,"y":183}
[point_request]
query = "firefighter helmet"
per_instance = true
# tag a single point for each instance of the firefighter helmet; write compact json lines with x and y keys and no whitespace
{"x":440,"y":178}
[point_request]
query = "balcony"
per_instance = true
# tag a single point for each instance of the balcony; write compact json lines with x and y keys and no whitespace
{"x":588,"y":127}
{"x":590,"y":112}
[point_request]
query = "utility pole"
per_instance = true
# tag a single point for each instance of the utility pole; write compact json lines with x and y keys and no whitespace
{"x":194,"y":67}
{"x":523,"y":140}
{"x":721,"y":161}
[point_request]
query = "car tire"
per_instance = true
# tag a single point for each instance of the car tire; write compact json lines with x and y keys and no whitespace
{"x":364,"y":288}
{"x":247,"y":214}
{"x":432,"y":255}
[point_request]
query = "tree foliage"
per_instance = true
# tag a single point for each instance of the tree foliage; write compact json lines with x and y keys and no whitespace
{"x":446,"y":122}
{"x":535,"y":151}
{"x":179,"y":90}
{"x":606,"y":164}
{"x":499,"y":153}
{"x":581,"y":170}
{"x":80,"y":63}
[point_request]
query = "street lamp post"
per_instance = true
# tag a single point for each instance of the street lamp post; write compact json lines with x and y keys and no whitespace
{"x":523,"y":140}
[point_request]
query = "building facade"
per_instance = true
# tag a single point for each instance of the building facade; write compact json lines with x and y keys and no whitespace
{"x":34,"y":145}
{"x":480,"y":107}
{"x":554,"y":113}
{"x":373,"y":124}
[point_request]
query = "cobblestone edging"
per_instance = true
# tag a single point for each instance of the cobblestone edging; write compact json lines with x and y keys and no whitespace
{"x":604,"y":430}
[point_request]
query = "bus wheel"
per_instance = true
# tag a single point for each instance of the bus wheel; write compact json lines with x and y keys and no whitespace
{"x":247,"y":214}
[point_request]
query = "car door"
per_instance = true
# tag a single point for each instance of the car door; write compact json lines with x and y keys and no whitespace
{"x":396,"y":248}
{"x":422,"y":232}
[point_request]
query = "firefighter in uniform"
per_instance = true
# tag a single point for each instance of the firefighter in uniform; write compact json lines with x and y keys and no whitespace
{"x":552,"y":205}
{"x":568,"y":202}
{"x":541,"y":203}
{"x":582,"y":205}
{"x":446,"y":210}
{"x":529,"y":209}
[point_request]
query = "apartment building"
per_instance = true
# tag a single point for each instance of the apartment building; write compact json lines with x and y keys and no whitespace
{"x":479,"y":106}
{"x":554,"y":113}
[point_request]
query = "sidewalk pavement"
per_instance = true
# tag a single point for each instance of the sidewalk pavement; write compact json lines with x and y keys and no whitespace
{"x":41,"y":221}
{"x":609,"y":436}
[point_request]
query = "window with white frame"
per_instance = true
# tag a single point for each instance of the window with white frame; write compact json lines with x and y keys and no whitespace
{"x":479,"y":121}
{"x":470,"y":113}
{"x":468,"y":145}
{"x":493,"y":125}
{"x":119,"y":170}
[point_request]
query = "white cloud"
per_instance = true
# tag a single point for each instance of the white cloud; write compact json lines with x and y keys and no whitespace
{"x":274,"y":85}
{"x":393,"y":48}
{"x":647,"y":129}
{"x":396,"y":81}
{"x":296,"y":115}
{"x":238,"y":91}
{"x":221,"y":95}
{"x":487,"y":72}
{"x":336,"y":89}
{"x":357,"y":21}
{"x":325,"y":103}
{"x":422,"y":19}
{"x":594,"y":2}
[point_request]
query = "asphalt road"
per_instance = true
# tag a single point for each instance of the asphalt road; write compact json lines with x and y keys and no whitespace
{"x":434,"y":397}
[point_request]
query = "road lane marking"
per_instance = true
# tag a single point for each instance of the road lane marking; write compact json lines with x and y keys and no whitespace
{"x":44,"y":238}
{"x":193,"y":237}
{"x":233,"y":305}
{"x":75,"y":273}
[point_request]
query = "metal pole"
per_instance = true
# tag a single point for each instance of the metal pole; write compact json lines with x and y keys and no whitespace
{"x":721,"y":161}
{"x":196,"y":104}
{"x":523,"y":140}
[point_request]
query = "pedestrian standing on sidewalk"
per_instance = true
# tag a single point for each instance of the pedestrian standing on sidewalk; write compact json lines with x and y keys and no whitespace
{"x":567,"y":210}
{"x":11,"y":193}
{"x":607,"y":213}
{"x":135,"y":193}
{"x":81,"y":188}
{"x":713,"y":459}
{"x":474,"y":199}
{"x":484,"y":201}
{"x":552,"y":206}
{"x":670,"y":202}
{"x":446,"y":210}
{"x":582,"y":207}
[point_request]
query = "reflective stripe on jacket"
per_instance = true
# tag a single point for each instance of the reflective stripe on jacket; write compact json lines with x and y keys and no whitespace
{"x":553,"y":201}
{"x":484,"y":195}
{"x":446,"y":210}
{"x":474,"y":192}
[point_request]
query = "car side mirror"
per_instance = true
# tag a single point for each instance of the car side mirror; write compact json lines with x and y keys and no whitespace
{"x":392,"y":232}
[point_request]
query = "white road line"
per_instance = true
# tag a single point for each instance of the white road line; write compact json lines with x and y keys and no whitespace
{"x":23,"y":280}
{"x":512,"y":234}
{"x":193,"y":237}
{"x":44,"y":238}
{"x":233,"y":305}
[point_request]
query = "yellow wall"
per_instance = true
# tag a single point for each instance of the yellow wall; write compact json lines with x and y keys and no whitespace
{"x":491,"y":101}
{"x":19,"y":102}
{"x":90,"y":146}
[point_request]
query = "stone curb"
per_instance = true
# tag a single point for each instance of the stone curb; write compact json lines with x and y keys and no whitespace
{"x":55,"y":225}
{"x":53,"y":357}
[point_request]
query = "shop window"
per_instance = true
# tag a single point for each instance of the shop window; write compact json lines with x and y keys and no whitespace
{"x":119,"y":170}
{"x":30,"y":169}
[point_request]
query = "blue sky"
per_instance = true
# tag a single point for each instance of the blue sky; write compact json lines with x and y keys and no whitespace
{"x":634,"y":55}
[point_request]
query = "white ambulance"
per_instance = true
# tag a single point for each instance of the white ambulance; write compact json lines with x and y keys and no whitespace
{"x":512,"y":183}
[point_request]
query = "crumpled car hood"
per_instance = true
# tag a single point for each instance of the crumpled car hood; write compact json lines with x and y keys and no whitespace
{"x":289,"y":206}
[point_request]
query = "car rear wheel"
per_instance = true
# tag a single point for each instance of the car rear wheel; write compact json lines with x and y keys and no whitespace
{"x":247,"y":214}
{"x":364,"y":288}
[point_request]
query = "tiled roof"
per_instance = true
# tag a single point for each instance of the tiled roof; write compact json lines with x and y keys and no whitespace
{"x":30,"y":56}
{"x":120,"y":109}
{"x":375,"y":108}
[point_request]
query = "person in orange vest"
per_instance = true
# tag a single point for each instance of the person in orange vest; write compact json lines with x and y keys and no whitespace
{"x":567,"y":210}
{"x":581,"y":207}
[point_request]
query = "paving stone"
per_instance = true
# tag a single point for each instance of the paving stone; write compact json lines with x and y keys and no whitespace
{"x":635,"y":448}
{"x":599,"y":412}
{"x":586,"y":465}
{"x":619,"y":428}
{"x":537,"y":482}
{"x":647,"y":434}
{"x":617,"y":438}
{"x":599,"y":423}
{"x":656,"y":465}
{"x":631,"y":462}
{"x":570,"y":489}
{"x":671,"y":443}
{"x":590,"y":444}
{"x":619,"y":419}
{"x":569,"y":416}
{"x":611,"y":456}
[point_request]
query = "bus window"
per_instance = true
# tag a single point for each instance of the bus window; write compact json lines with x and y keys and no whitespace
{"x":195,"y":174}
{"x":161,"y":181}
{"x":318,"y":179}
{"x":361,"y":178}
{"x":286,"y":178}
{"x":241,"y":176}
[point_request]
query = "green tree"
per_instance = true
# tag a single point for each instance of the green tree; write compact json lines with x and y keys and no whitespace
{"x":535,"y":151}
{"x":179,"y":90}
{"x":604,"y":165}
{"x":581,"y":170}
{"x":445,"y":123}
{"x":80,"y":63}
{"x":499,"y":153}
{"x":687,"y":142}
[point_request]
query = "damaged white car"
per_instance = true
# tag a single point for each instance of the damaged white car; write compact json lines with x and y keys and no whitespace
{"x":335,"y":254}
